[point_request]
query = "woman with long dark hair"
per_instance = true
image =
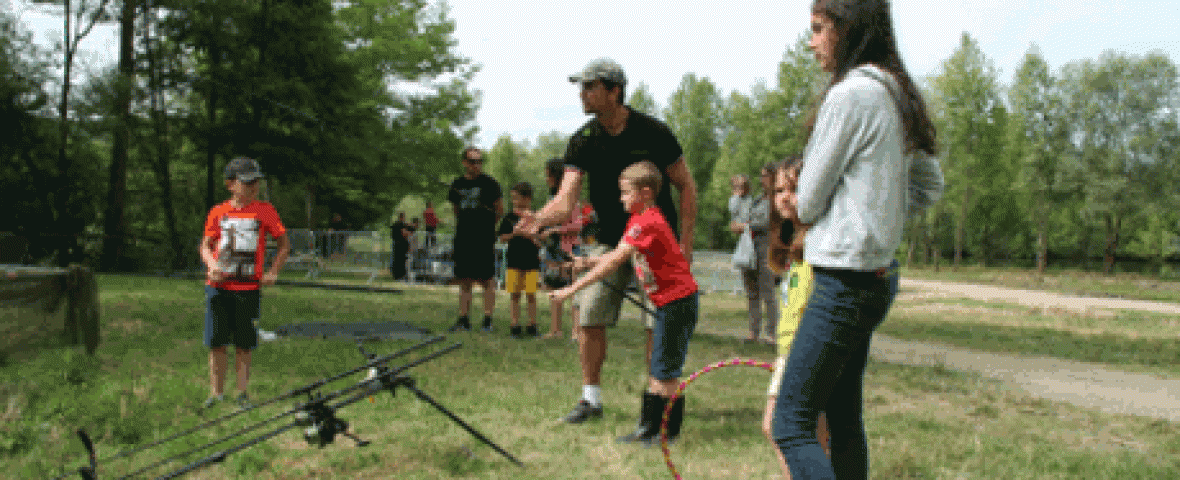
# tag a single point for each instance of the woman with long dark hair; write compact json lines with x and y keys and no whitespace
{"x":869,"y":162}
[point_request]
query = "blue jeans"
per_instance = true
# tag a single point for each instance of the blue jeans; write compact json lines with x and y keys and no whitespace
{"x":825,"y":372}
{"x":674,"y":324}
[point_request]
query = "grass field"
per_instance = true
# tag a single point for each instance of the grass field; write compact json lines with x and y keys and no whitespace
{"x":1094,"y":284}
{"x":151,"y":374}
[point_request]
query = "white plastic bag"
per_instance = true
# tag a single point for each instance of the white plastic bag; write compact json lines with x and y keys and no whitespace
{"x":744,"y":256}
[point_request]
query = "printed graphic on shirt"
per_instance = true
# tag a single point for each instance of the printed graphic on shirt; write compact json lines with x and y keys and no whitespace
{"x":468,"y":198}
{"x":239,"y":242}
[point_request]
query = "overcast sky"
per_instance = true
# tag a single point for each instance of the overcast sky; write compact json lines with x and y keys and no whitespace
{"x":528,"y":48}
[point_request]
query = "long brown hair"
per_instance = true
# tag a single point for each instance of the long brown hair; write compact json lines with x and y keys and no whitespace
{"x":778,"y":253}
{"x":865,"y":35}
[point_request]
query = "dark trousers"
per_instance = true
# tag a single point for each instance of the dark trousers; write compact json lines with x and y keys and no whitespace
{"x":825,"y":373}
{"x":397,"y":265}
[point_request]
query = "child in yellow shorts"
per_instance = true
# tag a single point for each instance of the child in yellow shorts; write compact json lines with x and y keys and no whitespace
{"x":797,"y":286}
{"x":522,"y":261}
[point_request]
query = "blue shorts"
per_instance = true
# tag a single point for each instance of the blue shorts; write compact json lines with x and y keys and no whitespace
{"x":674,"y":324}
{"x":230,"y":317}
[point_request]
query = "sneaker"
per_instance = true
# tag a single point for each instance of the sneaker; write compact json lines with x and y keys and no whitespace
{"x":530,"y":331}
{"x":244,"y":401}
{"x":582,"y":412}
{"x":514,"y":332}
{"x":487,"y":325}
{"x":461,"y":325}
{"x":211,"y":401}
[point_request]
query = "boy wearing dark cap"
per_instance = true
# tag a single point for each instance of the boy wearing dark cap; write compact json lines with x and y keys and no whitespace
{"x":233,"y":250}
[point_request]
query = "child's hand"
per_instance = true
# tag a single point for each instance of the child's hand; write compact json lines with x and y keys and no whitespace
{"x":580,"y":264}
{"x":214,"y":274}
{"x":560,"y":295}
{"x":526,"y":225}
{"x":269,"y":278}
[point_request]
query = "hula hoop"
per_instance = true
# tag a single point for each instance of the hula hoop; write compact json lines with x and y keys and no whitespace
{"x":667,"y":410}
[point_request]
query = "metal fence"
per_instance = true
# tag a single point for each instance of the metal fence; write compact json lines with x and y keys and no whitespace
{"x":429,"y":260}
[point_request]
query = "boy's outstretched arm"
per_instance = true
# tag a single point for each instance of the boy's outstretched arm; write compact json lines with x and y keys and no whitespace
{"x":603,"y":265}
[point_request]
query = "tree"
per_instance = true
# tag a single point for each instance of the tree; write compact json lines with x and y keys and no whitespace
{"x":114,"y":226}
{"x":1122,"y":107}
{"x":642,"y":100}
{"x":78,"y":20}
{"x":760,"y":128}
{"x":965,"y":96}
{"x":1038,"y":141}
{"x":501,"y":162}
{"x":28,"y":143}
{"x":693,"y":113}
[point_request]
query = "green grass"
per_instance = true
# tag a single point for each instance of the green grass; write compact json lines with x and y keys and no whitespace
{"x":1122,"y":285}
{"x":1154,"y":355}
{"x":151,"y":373}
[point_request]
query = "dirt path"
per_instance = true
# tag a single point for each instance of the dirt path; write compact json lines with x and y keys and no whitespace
{"x":1031,"y":298}
{"x":1079,"y":383}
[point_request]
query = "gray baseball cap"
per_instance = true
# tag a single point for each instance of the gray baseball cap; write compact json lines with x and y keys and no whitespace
{"x":244,"y":169}
{"x":601,"y":69}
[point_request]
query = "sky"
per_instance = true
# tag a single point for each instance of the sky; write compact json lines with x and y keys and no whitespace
{"x":527,"y":49}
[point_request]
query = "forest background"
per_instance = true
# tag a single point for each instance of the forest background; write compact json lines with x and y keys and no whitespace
{"x":361,"y":107}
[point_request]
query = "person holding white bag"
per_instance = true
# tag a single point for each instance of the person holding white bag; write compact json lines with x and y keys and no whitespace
{"x":751,"y":221}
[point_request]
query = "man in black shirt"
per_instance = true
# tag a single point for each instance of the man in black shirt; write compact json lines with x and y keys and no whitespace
{"x":399,"y":232}
{"x":476,"y":199}
{"x":615,"y":138}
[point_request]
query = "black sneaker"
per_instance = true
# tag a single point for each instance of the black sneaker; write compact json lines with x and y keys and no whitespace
{"x":462,"y":325}
{"x":244,"y":401}
{"x":487,"y":325}
{"x":211,"y":401}
{"x":514,"y":332}
{"x":530,"y":331}
{"x":582,"y":412}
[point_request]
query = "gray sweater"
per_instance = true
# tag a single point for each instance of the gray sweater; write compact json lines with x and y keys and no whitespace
{"x":857,"y":186}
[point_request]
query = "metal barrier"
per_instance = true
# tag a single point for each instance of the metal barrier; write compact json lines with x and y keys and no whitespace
{"x":430,"y":258}
{"x":714,"y":272}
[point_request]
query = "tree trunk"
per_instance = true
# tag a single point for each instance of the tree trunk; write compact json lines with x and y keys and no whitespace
{"x":961,"y":227}
{"x":935,"y":251}
{"x":211,"y":141}
{"x":1042,"y":237}
{"x":63,"y":190}
{"x":115,"y":225}
{"x":160,"y":162}
{"x":1113,"y":222}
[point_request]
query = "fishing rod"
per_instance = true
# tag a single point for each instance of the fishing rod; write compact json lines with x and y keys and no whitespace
{"x":566,"y":257}
{"x":316,"y":416}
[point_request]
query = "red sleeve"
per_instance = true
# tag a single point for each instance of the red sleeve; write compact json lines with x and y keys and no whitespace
{"x":270,"y":218}
{"x":640,"y":233}
{"x":212,"y":229}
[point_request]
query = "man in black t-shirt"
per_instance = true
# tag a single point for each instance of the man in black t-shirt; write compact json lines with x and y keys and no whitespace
{"x":615,"y":138}
{"x":399,"y":232}
{"x":476,"y":199}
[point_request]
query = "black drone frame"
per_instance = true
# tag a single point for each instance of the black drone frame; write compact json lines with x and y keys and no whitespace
{"x":316,"y":415}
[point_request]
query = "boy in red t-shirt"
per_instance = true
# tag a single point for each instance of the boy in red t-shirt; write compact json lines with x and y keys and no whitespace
{"x":667,"y":278}
{"x":233,"y":251}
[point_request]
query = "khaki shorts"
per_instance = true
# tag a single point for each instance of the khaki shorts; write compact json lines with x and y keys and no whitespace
{"x":776,"y":377}
{"x":599,"y":305}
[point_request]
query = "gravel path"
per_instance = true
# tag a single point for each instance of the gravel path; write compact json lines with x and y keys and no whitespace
{"x":1079,"y":383}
